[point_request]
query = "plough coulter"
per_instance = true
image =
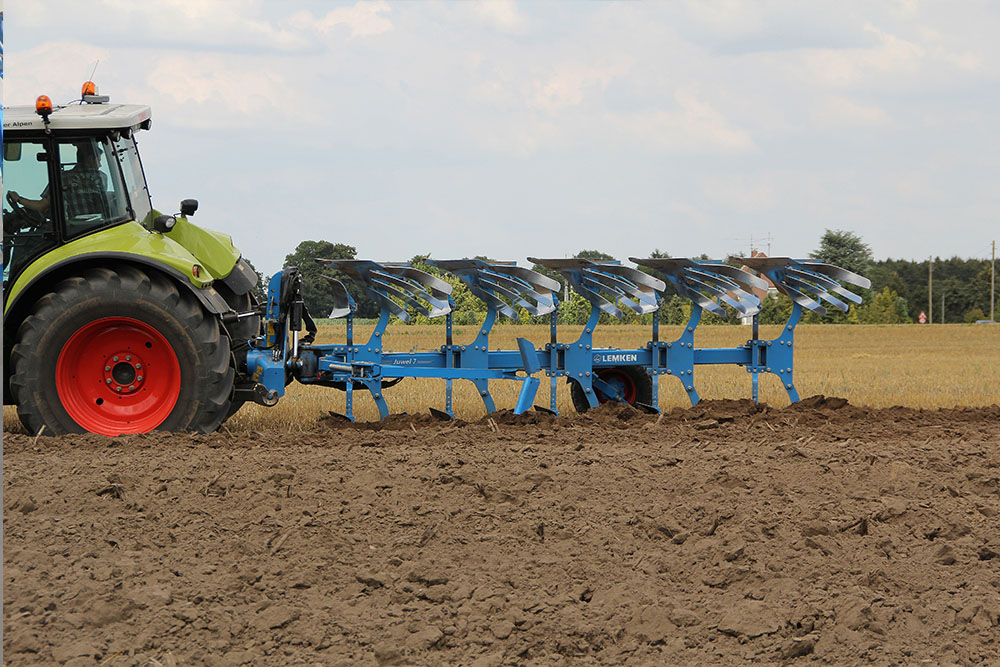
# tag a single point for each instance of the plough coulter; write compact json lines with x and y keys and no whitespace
{"x":596,"y":375}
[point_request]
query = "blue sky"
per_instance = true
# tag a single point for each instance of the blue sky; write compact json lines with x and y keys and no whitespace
{"x":512,"y":129}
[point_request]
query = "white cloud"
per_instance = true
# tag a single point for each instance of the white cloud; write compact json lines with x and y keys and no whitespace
{"x":56,"y":69}
{"x":235,"y":24}
{"x":728,"y":17}
{"x":839,"y":110}
{"x":364,"y":19}
{"x":216,"y":91}
{"x":503,"y":15}
{"x":695,"y":126}
{"x":966,"y":60}
{"x":568,"y":86}
{"x":844,"y":67}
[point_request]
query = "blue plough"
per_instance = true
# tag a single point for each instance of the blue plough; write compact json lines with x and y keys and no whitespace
{"x":596,"y":374}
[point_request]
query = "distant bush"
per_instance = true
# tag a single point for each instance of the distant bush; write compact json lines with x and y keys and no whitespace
{"x":975,"y":315}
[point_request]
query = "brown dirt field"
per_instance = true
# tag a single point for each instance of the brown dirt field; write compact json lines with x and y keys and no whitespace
{"x":721,"y":534}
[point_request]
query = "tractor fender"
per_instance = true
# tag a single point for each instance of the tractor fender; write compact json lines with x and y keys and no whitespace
{"x":16,"y":311}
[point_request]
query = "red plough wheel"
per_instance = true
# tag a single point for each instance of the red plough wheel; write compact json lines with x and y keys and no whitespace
{"x":618,"y":379}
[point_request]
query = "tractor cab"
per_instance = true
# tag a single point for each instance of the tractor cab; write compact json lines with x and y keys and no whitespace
{"x":69,"y":171}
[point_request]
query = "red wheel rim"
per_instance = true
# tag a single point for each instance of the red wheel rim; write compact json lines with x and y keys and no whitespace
{"x":118,"y":375}
{"x":613,"y":375}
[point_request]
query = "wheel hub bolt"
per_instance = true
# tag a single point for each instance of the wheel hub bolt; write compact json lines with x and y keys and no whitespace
{"x":121,"y":372}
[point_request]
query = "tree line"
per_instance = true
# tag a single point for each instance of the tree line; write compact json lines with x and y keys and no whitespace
{"x":899,"y":291}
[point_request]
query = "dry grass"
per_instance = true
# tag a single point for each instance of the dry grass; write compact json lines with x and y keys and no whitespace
{"x":878,"y":366}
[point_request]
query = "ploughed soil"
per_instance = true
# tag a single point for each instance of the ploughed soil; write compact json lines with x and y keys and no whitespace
{"x":722,"y":534}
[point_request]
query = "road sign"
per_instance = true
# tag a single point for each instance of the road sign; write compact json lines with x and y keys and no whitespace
{"x":922,"y":317}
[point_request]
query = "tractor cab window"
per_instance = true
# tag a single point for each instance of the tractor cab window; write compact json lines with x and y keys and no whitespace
{"x":138,"y":193}
{"x":92,"y":191}
{"x":28,"y":227}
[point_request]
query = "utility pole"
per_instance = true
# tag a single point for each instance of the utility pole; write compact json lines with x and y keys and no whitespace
{"x":942,"y":307}
{"x":993,"y":279}
{"x":930,"y":290}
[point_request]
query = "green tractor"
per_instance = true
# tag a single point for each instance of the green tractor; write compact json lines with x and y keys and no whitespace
{"x":117,"y":318}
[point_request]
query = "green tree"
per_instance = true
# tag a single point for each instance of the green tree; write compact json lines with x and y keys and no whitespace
{"x":775,"y":309}
{"x":886,"y":308}
{"x":844,"y":249}
{"x":468,"y":308}
{"x":675,"y":310}
{"x":975,"y":315}
{"x":317,"y":293}
{"x":575,"y":311}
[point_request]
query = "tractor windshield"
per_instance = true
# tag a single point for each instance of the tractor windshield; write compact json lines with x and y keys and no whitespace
{"x":138,"y":193}
{"x":92,"y":190}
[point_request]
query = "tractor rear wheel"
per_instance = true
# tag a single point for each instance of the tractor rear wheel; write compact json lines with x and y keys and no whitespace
{"x":119,"y":350}
{"x":636,"y":387}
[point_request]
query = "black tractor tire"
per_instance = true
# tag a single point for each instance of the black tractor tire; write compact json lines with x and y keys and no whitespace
{"x":71,"y":353}
{"x":239,"y":332}
{"x":638,"y":387}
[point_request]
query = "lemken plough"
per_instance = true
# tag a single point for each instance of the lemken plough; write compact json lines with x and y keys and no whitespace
{"x":595,"y":374}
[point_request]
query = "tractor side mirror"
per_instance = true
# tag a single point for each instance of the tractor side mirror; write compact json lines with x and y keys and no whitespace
{"x":164,"y":223}
{"x":188,"y":207}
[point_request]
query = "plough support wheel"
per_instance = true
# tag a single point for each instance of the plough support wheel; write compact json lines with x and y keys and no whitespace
{"x":631,"y":382}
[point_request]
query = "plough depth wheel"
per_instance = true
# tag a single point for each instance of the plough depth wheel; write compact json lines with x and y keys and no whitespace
{"x":632,"y":381}
{"x":120,"y":351}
